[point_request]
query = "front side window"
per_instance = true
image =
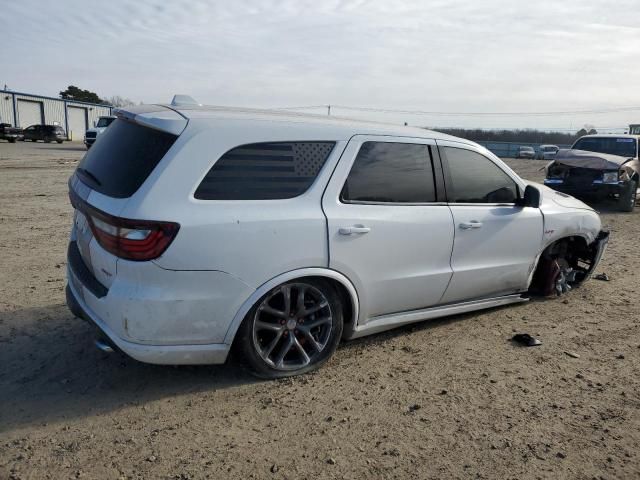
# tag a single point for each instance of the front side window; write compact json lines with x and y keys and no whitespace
{"x":473,"y":178}
{"x":391,"y":173}
{"x":265,"y":171}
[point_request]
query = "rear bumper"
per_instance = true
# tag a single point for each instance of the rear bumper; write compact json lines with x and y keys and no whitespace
{"x":158,"y":354}
{"x":156,"y":315}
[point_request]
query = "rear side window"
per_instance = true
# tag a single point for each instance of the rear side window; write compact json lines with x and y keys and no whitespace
{"x":124,"y":157}
{"x":264,"y":171}
{"x":391,"y":173}
{"x":473,"y":178}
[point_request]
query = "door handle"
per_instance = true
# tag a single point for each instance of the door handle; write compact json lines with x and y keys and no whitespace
{"x":470,"y":225}
{"x":360,"y":229}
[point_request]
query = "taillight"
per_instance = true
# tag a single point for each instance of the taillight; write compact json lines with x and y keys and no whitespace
{"x":137,"y":240}
{"x":133,"y":239}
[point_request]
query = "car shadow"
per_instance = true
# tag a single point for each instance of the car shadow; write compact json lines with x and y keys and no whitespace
{"x":50,"y":370}
{"x":62,"y":149}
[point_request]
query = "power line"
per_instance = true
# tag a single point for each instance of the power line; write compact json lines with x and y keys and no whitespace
{"x":543,"y":129}
{"x":468,"y":114}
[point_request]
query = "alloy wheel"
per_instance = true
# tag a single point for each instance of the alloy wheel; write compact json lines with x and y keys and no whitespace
{"x":292,"y":326}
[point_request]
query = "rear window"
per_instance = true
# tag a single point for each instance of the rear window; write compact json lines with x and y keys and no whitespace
{"x":104,"y":122}
{"x":121,"y":161}
{"x":621,"y":146}
{"x":264,"y":171}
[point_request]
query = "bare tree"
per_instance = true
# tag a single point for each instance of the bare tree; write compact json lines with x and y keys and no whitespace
{"x":118,"y":101}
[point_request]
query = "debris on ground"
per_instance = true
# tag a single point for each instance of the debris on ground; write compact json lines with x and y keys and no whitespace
{"x":601,"y":276}
{"x":526,"y":340}
{"x":571,"y":354}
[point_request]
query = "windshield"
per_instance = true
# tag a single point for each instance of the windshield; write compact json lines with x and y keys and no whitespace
{"x":104,"y":122}
{"x":622,"y":146}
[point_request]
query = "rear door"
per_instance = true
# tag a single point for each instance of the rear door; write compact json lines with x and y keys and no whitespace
{"x":496,"y":241}
{"x":388,"y":232}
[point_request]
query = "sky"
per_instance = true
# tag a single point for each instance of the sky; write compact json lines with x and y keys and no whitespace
{"x":473,"y":58}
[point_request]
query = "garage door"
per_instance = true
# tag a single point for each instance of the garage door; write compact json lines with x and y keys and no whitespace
{"x":77,"y":117}
{"x":29,"y":113}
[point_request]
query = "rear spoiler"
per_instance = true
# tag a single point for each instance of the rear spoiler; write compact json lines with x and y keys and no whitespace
{"x":157,"y":117}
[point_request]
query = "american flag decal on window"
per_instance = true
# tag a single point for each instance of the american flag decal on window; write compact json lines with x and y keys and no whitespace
{"x":264,"y":171}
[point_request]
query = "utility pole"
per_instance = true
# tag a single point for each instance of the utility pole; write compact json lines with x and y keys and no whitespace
{"x":328,"y":109}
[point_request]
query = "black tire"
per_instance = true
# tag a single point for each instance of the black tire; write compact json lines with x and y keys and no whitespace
{"x":628,"y":198}
{"x":47,"y":140}
{"x":12,"y":140}
{"x":326,"y":335}
{"x":59,"y":141}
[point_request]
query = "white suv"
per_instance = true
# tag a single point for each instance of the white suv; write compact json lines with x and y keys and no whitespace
{"x":199,"y":228}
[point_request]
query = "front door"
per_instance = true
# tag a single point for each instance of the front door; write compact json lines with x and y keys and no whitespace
{"x":387,"y":231}
{"x":496,"y":241}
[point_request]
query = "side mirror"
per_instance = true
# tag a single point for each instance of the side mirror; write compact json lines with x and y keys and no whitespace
{"x":95,"y":122}
{"x":531,"y":197}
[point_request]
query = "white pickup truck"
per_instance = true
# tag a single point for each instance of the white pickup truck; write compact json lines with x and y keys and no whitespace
{"x":92,"y":134}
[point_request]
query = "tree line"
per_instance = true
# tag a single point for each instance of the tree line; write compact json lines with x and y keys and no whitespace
{"x":78,"y":94}
{"x":517,"y":136}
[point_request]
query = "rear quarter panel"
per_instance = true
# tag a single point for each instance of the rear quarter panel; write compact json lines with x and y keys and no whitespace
{"x":251,"y":240}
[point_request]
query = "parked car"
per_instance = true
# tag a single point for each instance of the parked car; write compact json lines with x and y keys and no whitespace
{"x":46,"y":133}
{"x":598,"y":167}
{"x":526,"y":152}
{"x":92,"y":134}
{"x":10,"y":133}
{"x":547,"y":152}
{"x":199,"y":228}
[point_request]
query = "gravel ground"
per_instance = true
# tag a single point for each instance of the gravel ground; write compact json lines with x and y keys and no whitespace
{"x":444,"y":399}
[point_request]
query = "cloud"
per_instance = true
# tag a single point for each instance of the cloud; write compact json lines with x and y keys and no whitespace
{"x":494,"y":55}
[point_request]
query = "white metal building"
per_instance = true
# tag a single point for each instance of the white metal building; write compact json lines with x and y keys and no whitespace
{"x":25,"y":109}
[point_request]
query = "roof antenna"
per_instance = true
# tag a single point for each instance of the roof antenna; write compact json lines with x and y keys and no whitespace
{"x":183,"y":101}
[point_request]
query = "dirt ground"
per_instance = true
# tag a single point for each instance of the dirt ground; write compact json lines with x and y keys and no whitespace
{"x":446,"y":399}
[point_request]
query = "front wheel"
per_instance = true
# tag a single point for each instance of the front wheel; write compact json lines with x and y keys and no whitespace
{"x":628,"y":198}
{"x":59,"y":141}
{"x":293,"y":329}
